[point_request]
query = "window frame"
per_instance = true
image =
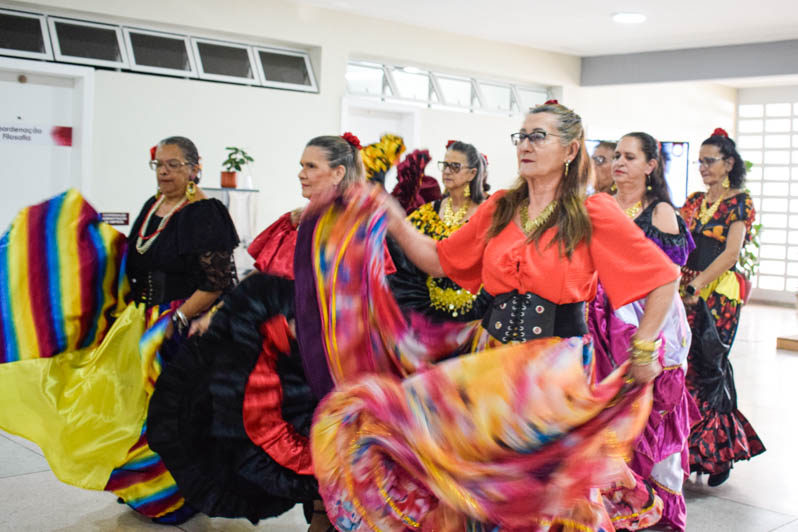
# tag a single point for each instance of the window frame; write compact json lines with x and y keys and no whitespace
{"x":48,"y":49}
{"x":201,"y":74}
{"x":122,"y":63}
{"x":191,"y":73}
{"x":313,"y":87}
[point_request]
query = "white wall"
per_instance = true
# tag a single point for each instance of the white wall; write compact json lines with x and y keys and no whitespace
{"x":668,"y":111}
{"x":133,"y":111}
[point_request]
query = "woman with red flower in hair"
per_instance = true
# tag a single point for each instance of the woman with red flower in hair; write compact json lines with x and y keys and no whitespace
{"x":720,"y":220}
{"x":231,"y":413}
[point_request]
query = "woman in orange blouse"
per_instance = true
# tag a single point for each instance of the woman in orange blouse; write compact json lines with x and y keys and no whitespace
{"x":540,"y":246}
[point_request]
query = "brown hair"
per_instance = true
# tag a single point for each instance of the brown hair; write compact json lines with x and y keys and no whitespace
{"x":570,"y":215}
{"x":341,"y":153}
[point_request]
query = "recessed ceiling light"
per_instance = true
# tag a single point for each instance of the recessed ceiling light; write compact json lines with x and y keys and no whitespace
{"x":628,"y":18}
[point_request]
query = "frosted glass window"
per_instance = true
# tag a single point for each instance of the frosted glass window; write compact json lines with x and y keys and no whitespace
{"x":755,"y":187}
{"x":771,"y":267}
{"x":792,"y":269}
{"x":777,"y":173}
{"x":773,"y":252}
{"x":778,"y":125}
{"x":750,"y":141}
{"x":777,"y":141}
{"x":793,"y":238}
{"x":87,"y":43}
{"x":768,"y":282}
{"x":412,"y":85}
{"x":364,"y":79}
{"x":159,"y":53}
{"x":24,"y":35}
{"x":222,"y":61}
{"x":792,"y":284}
{"x":777,"y":157}
{"x":456,"y":91}
{"x":531,"y":98}
{"x":774,"y":205}
{"x":750,"y":126}
{"x":751,"y":111}
{"x":285,"y":69}
{"x":792,"y":253}
{"x":778,"y":109}
{"x":774,"y":220}
{"x":497,"y":97}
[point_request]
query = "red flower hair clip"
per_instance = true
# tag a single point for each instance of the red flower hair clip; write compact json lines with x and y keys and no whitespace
{"x":720,"y":132}
{"x":449,"y":144}
{"x":152,"y":152}
{"x":551,"y":102}
{"x":353,"y":140}
{"x":485,"y":157}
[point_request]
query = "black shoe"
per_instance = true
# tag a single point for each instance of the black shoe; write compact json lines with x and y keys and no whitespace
{"x":718,"y":478}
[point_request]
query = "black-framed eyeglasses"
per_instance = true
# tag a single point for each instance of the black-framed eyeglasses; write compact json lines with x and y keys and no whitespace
{"x":599,"y":160}
{"x":537,"y":137}
{"x":706,"y":162}
{"x":171,"y":164}
{"x":454,"y":167}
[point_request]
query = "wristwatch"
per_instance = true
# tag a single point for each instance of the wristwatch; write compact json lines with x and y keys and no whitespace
{"x":690,"y":290}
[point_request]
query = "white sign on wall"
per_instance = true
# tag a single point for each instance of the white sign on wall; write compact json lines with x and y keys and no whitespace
{"x":41,"y":135}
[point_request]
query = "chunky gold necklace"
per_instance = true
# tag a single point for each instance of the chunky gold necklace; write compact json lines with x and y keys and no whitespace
{"x":529,"y":226}
{"x":451,"y":218}
{"x":707,"y":211}
{"x":634,"y":210}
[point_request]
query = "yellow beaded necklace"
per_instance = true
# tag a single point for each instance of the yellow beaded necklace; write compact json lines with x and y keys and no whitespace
{"x":529,"y":226}
{"x":707,"y":211}
{"x":451,"y":218}
{"x":634,"y":210}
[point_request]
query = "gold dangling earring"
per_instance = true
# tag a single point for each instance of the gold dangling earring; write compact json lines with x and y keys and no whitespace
{"x":467,"y":191}
{"x":191,"y":191}
{"x":648,"y":182}
{"x":614,"y":188}
{"x":726,"y":183}
{"x":567,"y":165}
{"x":157,"y":192}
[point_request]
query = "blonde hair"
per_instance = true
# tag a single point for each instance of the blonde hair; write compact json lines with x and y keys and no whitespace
{"x":570,"y":215}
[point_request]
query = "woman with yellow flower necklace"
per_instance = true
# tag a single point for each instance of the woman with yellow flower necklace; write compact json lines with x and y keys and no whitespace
{"x":720,"y":220}
{"x":464,"y":175}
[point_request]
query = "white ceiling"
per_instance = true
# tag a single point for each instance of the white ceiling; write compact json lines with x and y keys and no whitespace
{"x":585,"y":28}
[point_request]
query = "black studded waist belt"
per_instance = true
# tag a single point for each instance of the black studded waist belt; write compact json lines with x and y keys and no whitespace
{"x":155,"y":287}
{"x":521,"y":317}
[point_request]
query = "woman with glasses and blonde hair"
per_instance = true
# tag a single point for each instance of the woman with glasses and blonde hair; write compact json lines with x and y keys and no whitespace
{"x":464,"y":173}
{"x":503,"y":435}
{"x":720,"y":220}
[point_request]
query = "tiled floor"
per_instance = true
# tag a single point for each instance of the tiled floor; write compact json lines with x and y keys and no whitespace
{"x":760,"y":496}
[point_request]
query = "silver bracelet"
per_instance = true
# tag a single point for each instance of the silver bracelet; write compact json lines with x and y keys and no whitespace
{"x":182,"y":317}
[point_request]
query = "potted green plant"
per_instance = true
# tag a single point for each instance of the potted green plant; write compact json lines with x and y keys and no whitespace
{"x":236,"y":159}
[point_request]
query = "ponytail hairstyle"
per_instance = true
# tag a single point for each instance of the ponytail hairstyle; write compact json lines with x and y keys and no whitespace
{"x":728,"y":149}
{"x":656,"y":179}
{"x":188,"y":149}
{"x":342,"y":151}
{"x":570,"y":215}
{"x":479,"y":185}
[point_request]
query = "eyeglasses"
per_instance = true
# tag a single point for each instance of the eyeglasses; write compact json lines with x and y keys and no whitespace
{"x":599,"y":159}
{"x":454,"y":167}
{"x":706,"y":162}
{"x":537,"y":137}
{"x":171,"y":164}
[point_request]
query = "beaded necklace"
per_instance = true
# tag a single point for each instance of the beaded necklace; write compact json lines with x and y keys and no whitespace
{"x":144,"y":243}
{"x":707,"y":211}
{"x":634,"y":210}
{"x":529,"y":226}
{"x":451,"y":218}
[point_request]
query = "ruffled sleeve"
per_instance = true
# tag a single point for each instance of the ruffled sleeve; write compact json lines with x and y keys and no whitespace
{"x":690,"y":208}
{"x":743,"y":210}
{"x":676,"y":246}
{"x":205,"y":226}
{"x":273,"y":249}
{"x":461,"y":254}
{"x":629,"y":265}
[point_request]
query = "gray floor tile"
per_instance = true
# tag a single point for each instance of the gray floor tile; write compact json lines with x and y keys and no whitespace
{"x":706,"y":513}
{"x":17,"y":460}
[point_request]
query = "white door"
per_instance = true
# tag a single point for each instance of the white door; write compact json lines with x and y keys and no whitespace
{"x":39,"y":154}
{"x":369,"y":121}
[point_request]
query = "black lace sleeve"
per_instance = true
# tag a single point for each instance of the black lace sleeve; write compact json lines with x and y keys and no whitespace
{"x":218,"y":271}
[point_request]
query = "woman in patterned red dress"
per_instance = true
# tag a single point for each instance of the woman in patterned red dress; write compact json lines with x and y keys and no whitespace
{"x":720,"y":221}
